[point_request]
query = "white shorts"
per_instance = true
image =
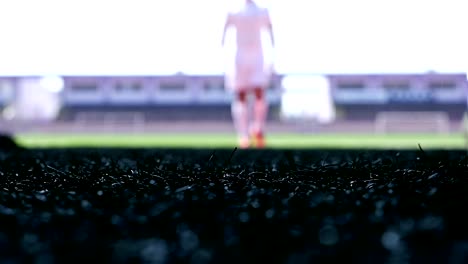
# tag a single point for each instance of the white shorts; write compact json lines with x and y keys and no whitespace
{"x":248,"y":70}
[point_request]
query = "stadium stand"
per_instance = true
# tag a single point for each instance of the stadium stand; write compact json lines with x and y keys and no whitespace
{"x":357,"y":98}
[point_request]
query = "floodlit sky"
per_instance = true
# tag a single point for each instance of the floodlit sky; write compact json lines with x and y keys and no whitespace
{"x":94,"y":37}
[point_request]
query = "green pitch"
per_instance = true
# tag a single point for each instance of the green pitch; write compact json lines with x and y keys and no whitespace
{"x":369,"y":141}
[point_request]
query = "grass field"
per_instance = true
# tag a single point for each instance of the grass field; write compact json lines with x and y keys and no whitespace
{"x":337,"y":141}
{"x":64,"y":205}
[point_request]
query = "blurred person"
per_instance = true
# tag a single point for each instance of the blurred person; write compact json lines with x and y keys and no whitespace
{"x":249,"y":72}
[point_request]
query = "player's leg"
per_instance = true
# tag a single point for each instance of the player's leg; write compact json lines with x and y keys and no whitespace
{"x":239,"y":111}
{"x":239,"y":81}
{"x":259,"y":80}
{"x":260,"y":116}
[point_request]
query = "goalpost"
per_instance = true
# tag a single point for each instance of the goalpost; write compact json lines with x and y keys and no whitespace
{"x":403,"y":121}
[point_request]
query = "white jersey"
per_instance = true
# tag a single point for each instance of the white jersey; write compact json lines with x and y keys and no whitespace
{"x":249,"y":67}
{"x":249,"y":22}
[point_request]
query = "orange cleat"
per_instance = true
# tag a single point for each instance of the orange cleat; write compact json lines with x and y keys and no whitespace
{"x":259,"y":139}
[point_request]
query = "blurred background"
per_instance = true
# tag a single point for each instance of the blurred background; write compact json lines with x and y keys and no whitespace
{"x":343,"y":67}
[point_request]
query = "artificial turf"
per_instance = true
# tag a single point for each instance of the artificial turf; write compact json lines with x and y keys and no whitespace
{"x":233,"y":206}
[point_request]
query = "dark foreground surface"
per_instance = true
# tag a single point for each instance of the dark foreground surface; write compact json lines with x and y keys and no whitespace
{"x":206,"y":206}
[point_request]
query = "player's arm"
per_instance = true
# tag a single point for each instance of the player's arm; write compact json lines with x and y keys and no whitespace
{"x":269,"y":27}
{"x":227,"y":24}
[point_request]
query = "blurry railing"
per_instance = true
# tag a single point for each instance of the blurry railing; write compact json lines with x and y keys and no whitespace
{"x":111,"y":120}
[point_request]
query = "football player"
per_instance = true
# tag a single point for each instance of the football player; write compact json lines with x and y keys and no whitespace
{"x":249,"y":72}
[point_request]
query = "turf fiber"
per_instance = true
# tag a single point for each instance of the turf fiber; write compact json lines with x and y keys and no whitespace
{"x":233,"y":206}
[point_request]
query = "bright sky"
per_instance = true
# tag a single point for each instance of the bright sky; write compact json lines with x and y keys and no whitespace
{"x":155,"y":36}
